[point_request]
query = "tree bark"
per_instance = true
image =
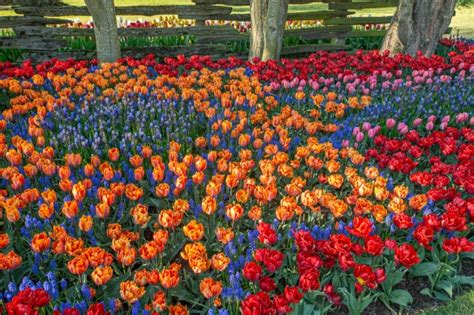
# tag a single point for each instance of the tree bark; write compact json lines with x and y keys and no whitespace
{"x":418,"y":25}
{"x":268,"y":19}
{"x":105,"y":29}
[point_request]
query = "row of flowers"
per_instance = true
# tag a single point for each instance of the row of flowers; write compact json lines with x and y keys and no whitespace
{"x":149,"y":188}
{"x":173,"y":21}
{"x":340,"y":66}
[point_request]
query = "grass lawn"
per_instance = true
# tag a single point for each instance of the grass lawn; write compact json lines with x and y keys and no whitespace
{"x":462,"y":21}
{"x":462,"y":305}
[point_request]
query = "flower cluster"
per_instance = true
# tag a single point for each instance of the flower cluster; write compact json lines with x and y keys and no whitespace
{"x":227,"y":187}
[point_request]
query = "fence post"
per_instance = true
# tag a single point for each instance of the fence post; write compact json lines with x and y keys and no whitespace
{"x":341,"y":40}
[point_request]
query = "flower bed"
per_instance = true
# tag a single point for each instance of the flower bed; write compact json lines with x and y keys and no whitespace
{"x":227,"y":187}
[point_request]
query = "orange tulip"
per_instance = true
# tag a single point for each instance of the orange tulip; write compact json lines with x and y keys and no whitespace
{"x":140,"y":214}
{"x":102,"y":210}
{"x":194,"y":230}
{"x":78,"y":265}
{"x":234,"y":212}
{"x":85,"y":223}
{"x":159,"y":301}
{"x":4,"y":240}
{"x":114,"y":230}
{"x":162,"y":190}
{"x":101,"y":275}
{"x":73,"y":246}
{"x":209,"y":205}
{"x":169,"y":278}
{"x":133,"y":192}
{"x":131,"y":292}
{"x":210,"y":288}
{"x":149,"y":250}
{"x":114,"y":154}
{"x":126,"y":256}
{"x":140,"y":277}
{"x":178,"y":309}
{"x":45,"y":211}
{"x":40,"y":242}
{"x":417,"y":202}
{"x":70,"y":209}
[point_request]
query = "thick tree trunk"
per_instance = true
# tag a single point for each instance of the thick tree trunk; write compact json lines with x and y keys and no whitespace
{"x":268,"y":19}
{"x":105,"y":29}
{"x":418,"y":25}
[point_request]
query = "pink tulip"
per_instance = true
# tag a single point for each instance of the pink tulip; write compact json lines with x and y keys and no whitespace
{"x":345,"y":143}
{"x":444,"y":124}
{"x":390,"y":123}
{"x":355,"y":131}
{"x":403,"y":130}
{"x":417,"y":122}
{"x":372,"y":132}
{"x":385,"y":84}
{"x":360,"y":136}
{"x":429,"y":126}
{"x":366,"y":126}
{"x":462,"y":117}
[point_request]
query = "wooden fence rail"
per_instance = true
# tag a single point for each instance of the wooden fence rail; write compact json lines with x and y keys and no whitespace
{"x":36,"y":30}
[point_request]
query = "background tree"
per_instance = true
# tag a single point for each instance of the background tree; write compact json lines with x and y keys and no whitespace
{"x":268,"y":19}
{"x":105,"y":29}
{"x":418,"y":25}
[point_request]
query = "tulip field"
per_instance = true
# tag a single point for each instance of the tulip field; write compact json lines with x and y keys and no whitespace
{"x":338,"y":183}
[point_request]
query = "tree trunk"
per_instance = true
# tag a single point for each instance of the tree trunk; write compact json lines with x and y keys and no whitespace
{"x":105,"y":29}
{"x":268,"y":19}
{"x":418,"y":25}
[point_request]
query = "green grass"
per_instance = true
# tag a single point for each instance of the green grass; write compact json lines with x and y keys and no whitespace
{"x":462,"y":305}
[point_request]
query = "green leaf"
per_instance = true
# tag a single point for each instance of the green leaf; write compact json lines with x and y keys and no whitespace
{"x":424,"y":269}
{"x":397,"y":276}
{"x":469,"y":280}
{"x":447,"y":286}
{"x":469,"y":255}
{"x":426,"y":291}
{"x":308,"y":308}
{"x":441,"y":296}
{"x":401,"y":297}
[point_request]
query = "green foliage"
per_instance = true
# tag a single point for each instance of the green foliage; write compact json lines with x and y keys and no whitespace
{"x":463,"y":304}
{"x":465,"y":3}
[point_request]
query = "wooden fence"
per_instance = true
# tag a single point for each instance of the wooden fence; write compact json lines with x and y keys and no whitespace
{"x":34,"y":34}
